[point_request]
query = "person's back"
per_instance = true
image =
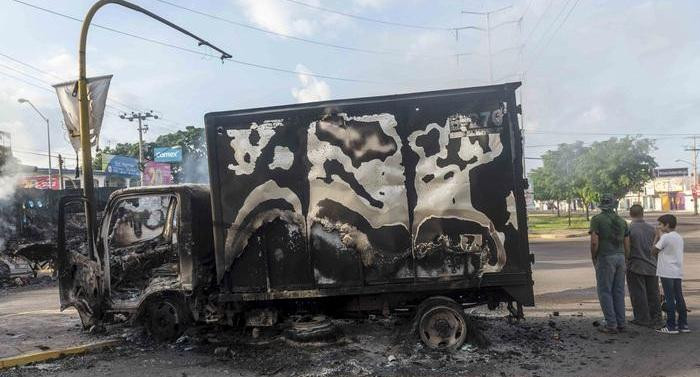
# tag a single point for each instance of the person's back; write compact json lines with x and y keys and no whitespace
{"x":642,"y":283}
{"x":609,"y":247}
{"x":641,"y":240}
{"x":611,"y":230}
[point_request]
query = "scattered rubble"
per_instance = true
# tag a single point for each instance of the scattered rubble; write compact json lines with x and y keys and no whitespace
{"x":380,"y":347}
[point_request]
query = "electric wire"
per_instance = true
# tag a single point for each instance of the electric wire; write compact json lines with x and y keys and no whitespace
{"x":44,"y":88}
{"x":541,"y":46}
{"x":369,"y":19}
{"x":306,"y":40}
{"x":125,"y":107}
{"x":200,"y":53}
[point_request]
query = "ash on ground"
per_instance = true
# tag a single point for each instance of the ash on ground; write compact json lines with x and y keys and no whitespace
{"x":375,"y":347}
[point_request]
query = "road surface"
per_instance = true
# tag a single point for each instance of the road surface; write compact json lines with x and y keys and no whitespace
{"x":566,"y":344}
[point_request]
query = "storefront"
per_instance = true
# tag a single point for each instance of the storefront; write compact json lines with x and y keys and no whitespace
{"x":669,"y":190}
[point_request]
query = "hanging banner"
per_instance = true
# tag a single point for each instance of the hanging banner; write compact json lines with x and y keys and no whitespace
{"x":156,"y":173}
{"x":67,"y":92}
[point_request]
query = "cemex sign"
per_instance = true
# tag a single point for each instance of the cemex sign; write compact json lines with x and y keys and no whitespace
{"x":167,"y":154}
{"x":674,"y":172}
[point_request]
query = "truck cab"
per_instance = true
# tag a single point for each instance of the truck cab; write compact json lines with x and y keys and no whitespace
{"x":151,"y":255}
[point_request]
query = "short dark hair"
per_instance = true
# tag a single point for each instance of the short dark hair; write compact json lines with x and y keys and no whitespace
{"x":636,"y":210}
{"x":669,"y":220}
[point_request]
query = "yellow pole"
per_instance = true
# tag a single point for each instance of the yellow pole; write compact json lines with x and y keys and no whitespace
{"x":86,"y":153}
{"x":85,"y":145}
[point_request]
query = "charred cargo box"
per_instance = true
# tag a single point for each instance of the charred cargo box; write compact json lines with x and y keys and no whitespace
{"x":409,"y":193}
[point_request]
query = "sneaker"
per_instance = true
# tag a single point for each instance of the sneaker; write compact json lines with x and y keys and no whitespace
{"x":621,"y":329}
{"x":685,"y":330}
{"x":607,"y":330}
{"x":666,"y":330}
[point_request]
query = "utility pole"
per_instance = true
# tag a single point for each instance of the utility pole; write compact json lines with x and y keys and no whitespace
{"x":142,"y":128}
{"x":488,"y":31}
{"x":60,"y":172}
{"x":48,"y":135}
{"x":695,"y":149}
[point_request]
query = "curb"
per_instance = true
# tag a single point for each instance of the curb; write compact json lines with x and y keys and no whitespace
{"x":34,"y":357}
{"x":551,"y":236}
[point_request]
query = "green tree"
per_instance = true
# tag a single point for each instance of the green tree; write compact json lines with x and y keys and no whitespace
{"x":556,"y":180}
{"x":191,"y":140}
{"x":618,"y":166}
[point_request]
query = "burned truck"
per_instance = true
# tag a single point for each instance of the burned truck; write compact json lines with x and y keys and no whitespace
{"x":407,"y":202}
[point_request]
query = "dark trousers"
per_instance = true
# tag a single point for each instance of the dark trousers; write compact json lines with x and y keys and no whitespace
{"x":673,"y":297}
{"x":644,"y":295}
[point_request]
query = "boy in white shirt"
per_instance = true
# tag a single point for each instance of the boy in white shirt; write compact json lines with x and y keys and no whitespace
{"x":668,"y":246}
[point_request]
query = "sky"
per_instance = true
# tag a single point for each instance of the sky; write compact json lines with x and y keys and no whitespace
{"x":591,"y":69}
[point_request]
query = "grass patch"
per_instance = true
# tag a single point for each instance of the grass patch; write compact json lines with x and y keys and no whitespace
{"x":551,"y":223}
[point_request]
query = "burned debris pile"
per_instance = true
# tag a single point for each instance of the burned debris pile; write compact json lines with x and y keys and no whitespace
{"x":28,"y":225}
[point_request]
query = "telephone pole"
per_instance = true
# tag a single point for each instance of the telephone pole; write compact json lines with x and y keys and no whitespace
{"x":60,"y":172}
{"x":695,"y":149}
{"x":490,"y":27}
{"x":140,"y":116}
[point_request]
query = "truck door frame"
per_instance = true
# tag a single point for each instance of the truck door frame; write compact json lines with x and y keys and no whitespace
{"x":75,"y":268}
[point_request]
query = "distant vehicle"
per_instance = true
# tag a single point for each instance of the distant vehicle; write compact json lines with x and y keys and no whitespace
{"x":411,"y":201}
{"x":12,"y":267}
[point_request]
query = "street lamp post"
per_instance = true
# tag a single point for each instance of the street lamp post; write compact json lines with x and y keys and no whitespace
{"x":695,"y":182}
{"x":48,"y":134}
{"x":85,"y":145}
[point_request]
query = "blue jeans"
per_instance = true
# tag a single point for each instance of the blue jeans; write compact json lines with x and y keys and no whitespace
{"x":610,"y":279}
{"x":673,"y":296}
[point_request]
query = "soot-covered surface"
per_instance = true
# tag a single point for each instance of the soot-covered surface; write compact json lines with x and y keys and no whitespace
{"x":375,"y":192}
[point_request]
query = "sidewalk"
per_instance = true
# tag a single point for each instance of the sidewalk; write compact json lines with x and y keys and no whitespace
{"x":30,"y":321}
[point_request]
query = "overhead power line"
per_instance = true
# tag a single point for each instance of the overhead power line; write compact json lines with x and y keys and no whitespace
{"x":192,"y":51}
{"x":37,"y":69}
{"x":49,"y":88}
{"x":369,"y":19}
{"x":538,"y":22}
{"x":539,"y":48}
{"x":308,"y":40}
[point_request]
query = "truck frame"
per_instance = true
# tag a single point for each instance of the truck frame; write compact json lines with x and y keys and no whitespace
{"x":406,"y":201}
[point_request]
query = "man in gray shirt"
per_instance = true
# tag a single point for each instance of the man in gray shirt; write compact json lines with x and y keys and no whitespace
{"x":642,"y":282}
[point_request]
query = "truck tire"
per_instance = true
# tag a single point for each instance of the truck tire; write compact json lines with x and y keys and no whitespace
{"x":442,"y":323}
{"x":312,"y":329}
{"x":167,"y":318}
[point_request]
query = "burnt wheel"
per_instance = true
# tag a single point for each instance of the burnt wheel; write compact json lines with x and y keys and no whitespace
{"x":442,"y":324}
{"x":312,"y":329}
{"x":167,"y":319}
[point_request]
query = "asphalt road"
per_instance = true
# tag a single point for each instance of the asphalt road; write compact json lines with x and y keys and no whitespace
{"x":564,"y":283}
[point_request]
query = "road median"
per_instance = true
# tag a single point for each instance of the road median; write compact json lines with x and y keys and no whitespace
{"x":556,"y":236}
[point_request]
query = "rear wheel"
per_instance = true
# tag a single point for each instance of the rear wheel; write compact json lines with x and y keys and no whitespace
{"x":442,"y":323}
{"x":167,"y":319}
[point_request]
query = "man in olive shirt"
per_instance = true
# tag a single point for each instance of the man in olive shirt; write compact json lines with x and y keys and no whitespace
{"x":609,"y":246}
{"x":642,"y":283}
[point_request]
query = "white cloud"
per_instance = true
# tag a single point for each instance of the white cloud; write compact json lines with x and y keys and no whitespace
{"x":270,"y":14}
{"x":375,"y":4}
{"x":312,"y":89}
{"x":595,"y":114}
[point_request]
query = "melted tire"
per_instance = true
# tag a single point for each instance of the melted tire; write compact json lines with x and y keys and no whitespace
{"x":314,"y":329}
{"x":167,"y":320}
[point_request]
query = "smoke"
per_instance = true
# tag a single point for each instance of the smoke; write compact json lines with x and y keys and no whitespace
{"x":194,"y":170}
{"x":9,"y":179}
